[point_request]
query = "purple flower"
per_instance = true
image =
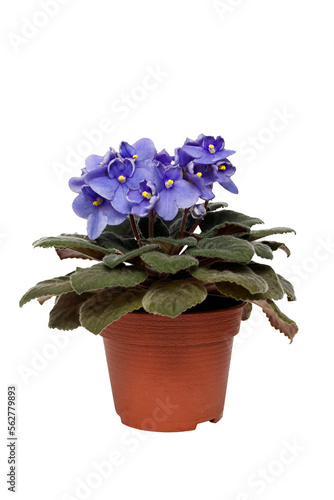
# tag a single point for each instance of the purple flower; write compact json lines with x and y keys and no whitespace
{"x":121,"y":175}
{"x":206,"y":149}
{"x":225,"y":170}
{"x":203,"y":177}
{"x":164,"y":158}
{"x":141,"y":152}
{"x":174,"y":192}
{"x":93,"y":163}
{"x":97,"y":210}
{"x":143,"y":199}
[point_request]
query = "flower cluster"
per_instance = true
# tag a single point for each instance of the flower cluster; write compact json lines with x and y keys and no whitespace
{"x":138,"y":181}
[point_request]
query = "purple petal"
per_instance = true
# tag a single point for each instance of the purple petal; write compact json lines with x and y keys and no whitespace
{"x":104,"y":186}
{"x":185,"y":194}
{"x":93,"y":162}
{"x":145,"y":149}
{"x":126,"y":150}
{"x":114,"y":217}
{"x":119,"y":202}
{"x":166,"y":206}
{"x":96,"y":222}
{"x":82,"y":206}
{"x":230,"y":186}
{"x":134,"y":196}
{"x":209,"y":158}
{"x":76,"y":183}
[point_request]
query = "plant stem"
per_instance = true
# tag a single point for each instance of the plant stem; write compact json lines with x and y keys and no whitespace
{"x":134,"y":229}
{"x":151,"y":222}
{"x":183,"y":223}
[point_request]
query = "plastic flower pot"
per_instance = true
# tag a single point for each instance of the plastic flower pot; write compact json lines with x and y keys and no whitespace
{"x":170,"y":374}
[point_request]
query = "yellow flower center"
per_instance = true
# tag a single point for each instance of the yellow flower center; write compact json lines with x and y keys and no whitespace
{"x":135,"y":157}
{"x":98,"y":202}
{"x":222,"y":167}
{"x":199,"y":174}
{"x":211,"y":148}
{"x":101,"y":164}
{"x":146,"y":195}
{"x":169,"y":183}
{"x":121,"y":179}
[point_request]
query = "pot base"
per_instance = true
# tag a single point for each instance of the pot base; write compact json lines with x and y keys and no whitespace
{"x":189,"y":425}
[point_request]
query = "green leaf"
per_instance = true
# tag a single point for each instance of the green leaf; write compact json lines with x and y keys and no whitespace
{"x":111,"y":241}
{"x":181,"y":242}
{"x":168,"y":263}
{"x":124,"y":230}
{"x":262,"y":233}
{"x":114,"y":260}
{"x":216,"y":205}
{"x":224,"y":247}
{"x":80,"y":253}
{"x":240,"y":274}
{"x":65,"y":313}
{"x":75,"y":241}
{"x":100,"y":276}
{"x":287,"y":287}
{"x":266,"y":273}
{"x":277,"y":318}
{"x":106,"y":307}
{"x":159,"y":227}
{"x":275,"y":290}
{"x":246,"y":311}
{"x":238,"y":292}
{"x":175,"y":224}
{"x":55,"y":286}
{"x":215,"y":221}
{"x":275,"y":245}
{"x":171,"y":298}
{"x":263,"y":250}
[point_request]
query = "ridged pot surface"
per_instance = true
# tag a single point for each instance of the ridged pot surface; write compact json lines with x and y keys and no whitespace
{"x":169,"y":374}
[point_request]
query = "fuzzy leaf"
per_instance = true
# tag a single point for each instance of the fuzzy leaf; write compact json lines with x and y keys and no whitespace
{"x":278,"y":319}
{"x":65,"y":313}
{"x":224,"y":247}
{"x":246,"y":311}
{"x":189,"y":241}
{"x":112,"y":241}
{"x":75,"y":241}
{"x":240,"y":274}
{"x":100,"y":276}
{"x":79,"y":253}
{"x":216,"y":205}
{"x":114,"y":260}
{"x":171,"y":298}
{"x":262,"y":233}
{"x":287,"y":287}
{"x":107,"y":306}
{"x":274,"y":290}
{"x":55,"y":286}
{"x":263,"y":250}
{"x":215,"y":221}
{"x":168,"y":263}
{"x":275,"y":245}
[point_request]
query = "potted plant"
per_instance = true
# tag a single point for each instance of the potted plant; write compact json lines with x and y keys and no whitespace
{"x":174,"y":274}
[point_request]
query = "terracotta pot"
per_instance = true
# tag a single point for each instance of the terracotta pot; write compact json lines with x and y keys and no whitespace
{"x":169,"y":374}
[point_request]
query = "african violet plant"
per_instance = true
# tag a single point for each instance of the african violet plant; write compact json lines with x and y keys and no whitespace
{"x":142,"y":210}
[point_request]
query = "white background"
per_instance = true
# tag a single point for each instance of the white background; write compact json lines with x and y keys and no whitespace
{"x":228,"y":68}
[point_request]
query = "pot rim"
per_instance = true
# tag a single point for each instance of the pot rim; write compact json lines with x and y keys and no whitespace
{"x":137,"y":313}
